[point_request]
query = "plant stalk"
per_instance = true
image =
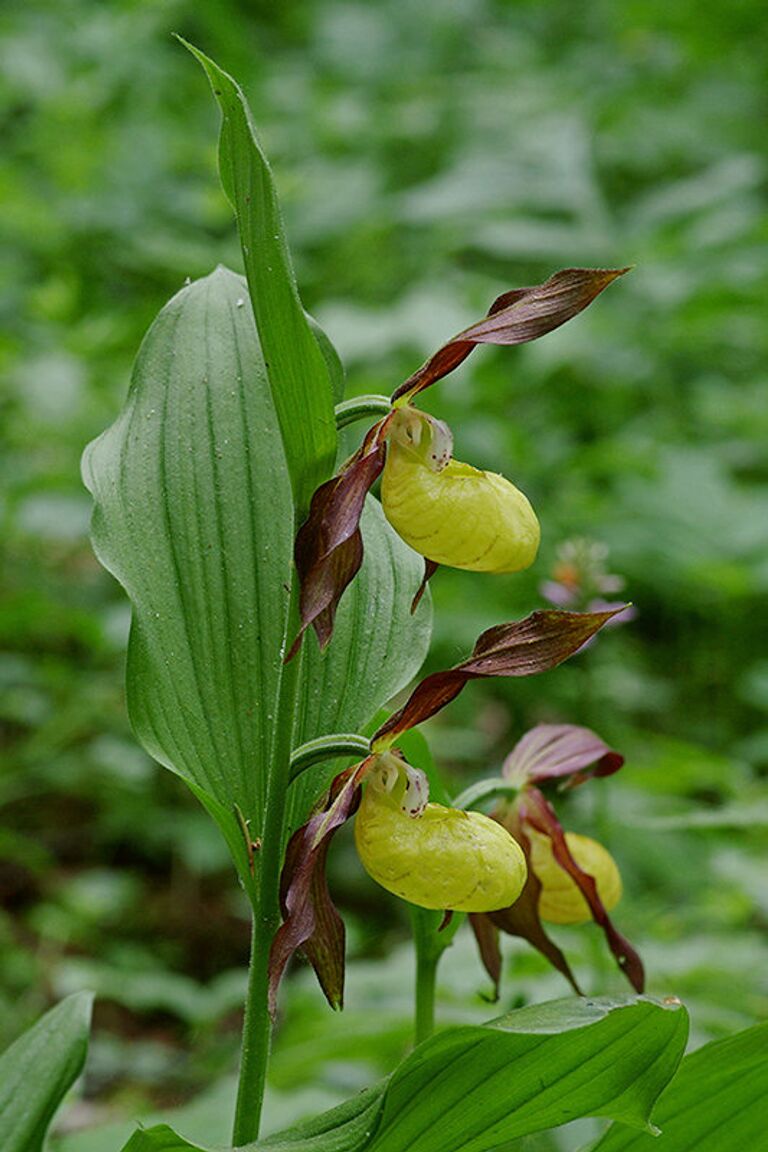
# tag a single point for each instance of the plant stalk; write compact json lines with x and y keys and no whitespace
{"x":257,"y":1033}
{"x":257,"y":1022}
{"x":426,"y":978}
{"x":361,"y":408}
{"x":328,"y":748}
{"x":429,"y":948}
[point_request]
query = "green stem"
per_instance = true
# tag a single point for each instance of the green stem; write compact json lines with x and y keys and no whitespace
{"x":328,"y":748}
{"x":485,"y":790}
{"x":257,"y":1022}
{"x":429,"y":949}
{"x":361,"y":408}
{"x":257,"y":1032}
{"x":426,"y":978}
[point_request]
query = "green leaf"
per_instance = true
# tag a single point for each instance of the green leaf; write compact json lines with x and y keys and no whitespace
{"x":716,"y":1100}
{"x":347,"y":1128}
{"x":333,"y":363}
{"x":193,"y":515}
{"x":39,"y":1069}
{"x":472,"y":1089}
{"x":161,"y":1138}
{"x":296,"y":363}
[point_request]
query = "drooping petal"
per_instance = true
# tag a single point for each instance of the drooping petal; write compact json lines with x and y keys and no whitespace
{"x":516,"y":317}
{"x":536,"y":811}
{"x":487,"y":938}
{"x":560,"y":900}
{"x":310,"y":921}
{"x":429,"y":570}
{"x":521,"y":648}
{"x":556,"y":751}
{"x":521,"y":919}
{"x":329,"y":544}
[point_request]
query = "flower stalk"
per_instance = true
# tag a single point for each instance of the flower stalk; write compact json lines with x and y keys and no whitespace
{"x":268,"y":862}
{"x":429,"y":947}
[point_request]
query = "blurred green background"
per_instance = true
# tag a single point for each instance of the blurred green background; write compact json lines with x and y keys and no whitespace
{"x":429,"y":157}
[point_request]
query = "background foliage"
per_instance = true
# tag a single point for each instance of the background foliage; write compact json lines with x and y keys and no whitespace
{"x":427,"y":158}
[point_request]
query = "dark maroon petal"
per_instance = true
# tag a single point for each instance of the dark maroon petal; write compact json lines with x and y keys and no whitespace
{"x":329,"y":544}
{"x":521,"y":648}
{"x":487,"y":937}
{"x":427,"y":698}
{"x":539,"y":642}
{"x":310,"y":921}
{"x":552,"y":751}
{"x":430,"y":567}
{"x":325,"y":947}
{"x":522,"y":918}
{"x":536,"y":810}
{"x":627,"y":614}
{"x":516,"y":317}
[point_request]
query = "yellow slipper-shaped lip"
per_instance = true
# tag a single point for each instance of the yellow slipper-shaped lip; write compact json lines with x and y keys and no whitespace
{"x":443,"y":859}
{"x":455,"y":514}
{"x":560,"y":901}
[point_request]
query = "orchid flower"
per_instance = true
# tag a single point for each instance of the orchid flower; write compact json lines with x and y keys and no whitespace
{"x":580,"y":580}
{"x":448,"y":511}
{"x":571,"y":878}
{"x":431,"y":855}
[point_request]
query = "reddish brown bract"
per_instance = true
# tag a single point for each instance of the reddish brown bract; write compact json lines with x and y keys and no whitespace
{"x":521,"y":648}
{"x":329,"y":544}
{"x":516,"y":317}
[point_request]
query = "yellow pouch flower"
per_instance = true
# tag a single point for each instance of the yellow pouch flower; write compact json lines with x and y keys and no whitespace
{"x":560,"y":901}
{"x":443,"y":858}
{"x":450,"y":512}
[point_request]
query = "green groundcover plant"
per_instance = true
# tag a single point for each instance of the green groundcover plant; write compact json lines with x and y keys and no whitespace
{"x":278,"y":606}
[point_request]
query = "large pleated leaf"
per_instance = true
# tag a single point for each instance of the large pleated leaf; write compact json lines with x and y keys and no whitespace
{"x":717,"y":1100}
{"x":473,"y":1089}
{"x":38,"y":1070}
{"x":193,"y":515}
{"x":296,"y":364}
{"x":476,"y":1088}
{"x":346,"y":1128}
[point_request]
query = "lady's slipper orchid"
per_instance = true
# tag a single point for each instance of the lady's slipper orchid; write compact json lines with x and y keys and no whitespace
{"x":571,"y":878}
{"x":434,"y":856}
{"x":429,"y":854}
{"x":450,"y":512}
